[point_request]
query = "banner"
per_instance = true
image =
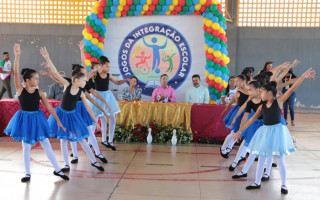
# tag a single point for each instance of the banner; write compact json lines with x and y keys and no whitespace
{"x":149,"y":46}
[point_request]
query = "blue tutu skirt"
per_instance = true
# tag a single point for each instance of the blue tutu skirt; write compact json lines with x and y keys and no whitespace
{"x":271,"y":140}
{"x":81,"y":109}
{"x":251,"y":130}
{"x":230,"y":115}
{"x":29,"y":126}
{"x":110,"y":99}
{"x":75,"y":126}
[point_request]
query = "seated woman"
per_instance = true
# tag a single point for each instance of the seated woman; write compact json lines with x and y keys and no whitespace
{"x":132,"y":93}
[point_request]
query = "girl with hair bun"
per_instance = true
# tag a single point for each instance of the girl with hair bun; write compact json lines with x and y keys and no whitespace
{"x":273,"y":138}
{"x":29,"y":124}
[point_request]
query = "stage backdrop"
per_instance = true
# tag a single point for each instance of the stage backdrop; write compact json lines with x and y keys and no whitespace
{"x":147,"y":47}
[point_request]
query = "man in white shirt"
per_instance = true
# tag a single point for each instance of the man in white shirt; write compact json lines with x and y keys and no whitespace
{"x":5,"y":74}
{"x":197,"y":93}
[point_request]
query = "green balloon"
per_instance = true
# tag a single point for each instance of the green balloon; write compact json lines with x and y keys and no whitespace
{"x":221,"y":18}
{"x":213,"y":7}
{"x":158,"y":8}
{"x":162,"y":2}
{"x":210,"y":64}
{"x":222,"y":43}
{"x":107,"y":9}
{"x":91,"y":23}
{"x":216,"y":40}
{"x":101,"y":33}
{"x":130,"y":13}
{"x":155,"y":12}
{"x":189,"y":2}
{"x":216,"y":13}
{"x":109,"y":3}
{"x":217,"y":66}
{"x":136,"y":2}
{"x":227,"y":72}
{"x":96,"y":28}
{"x":181,"y":13}
{"x":215,"y":91}
{"x":106,"y":15}
{"x":185,"y":8}
{"x":207,"y":10}
{"x":133,"y":7}
{"x":224,"y":90}
{"x":224,"y":70}
{"x":210,"y":37}
{"x":219,"y":95}
{"x":94,"y":54}
{"x":98,"y":56}
{"x":87,"y":49}
{"x":88,"y":19}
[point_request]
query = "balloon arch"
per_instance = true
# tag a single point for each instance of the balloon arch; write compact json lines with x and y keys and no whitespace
{"x":217,"y":73}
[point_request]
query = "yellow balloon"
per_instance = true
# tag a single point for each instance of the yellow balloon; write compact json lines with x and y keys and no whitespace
{"x":104,"y":21}
{"x":211,"y":77}
{"x":145,"y":7}
{"x":197,"y":7}
{"x":206,"y":73}
{"x":227,"y":60}
{"x":142,"y":13}
{"x":175,"y":2}
{"x":215,"y":2}
{"x":120,"y":8}
{"x":223,"y":57}
{"x":215,"y":26}
{"x":209,"y":23}
{"x":118,"y":14}
{"x":149,"y":2}
{"x":225,"y":84}
{"x":171,"y":8}
{"x":88,"y":36}
{"x":204,"y":20}
{"x":210,"y":50}
{"x":96,"y":4}
{"x":100,"y":45}
{"x":123,"y":2}
{"x":218,"y":79}
{"x":221,"y":30}
{"x":84,"y":32}
{"x":206,"y":47}
{"x":94,"y":10}
{"x":94,"y":41}
{"x":217,"y":54}
{"x":168,"y":12}
{"x":88,"y":62}
{"x":212,"y":102}
{"x":202,"y":2}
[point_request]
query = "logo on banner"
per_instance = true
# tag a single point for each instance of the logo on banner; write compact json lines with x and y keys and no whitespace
{"x":151,"y":50}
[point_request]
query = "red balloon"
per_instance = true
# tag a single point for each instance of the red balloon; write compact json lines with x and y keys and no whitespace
{"x":174,"y":12}
{"x":87,"y":55}
{"x":210,"y":30}
{"x":100,"y":15}
{"x":205,"y":27}
{"x":219,"y":6}
{"x":178,"y":8}
{"x":208,"y":3}
{"x":123,"y":13}
{"x":182,"y":2}
{"x":216,"y":60}
{"x":216,"y":33}
{"x":152,"y":7}
{"x":102,"y":3}
{"x":222,"y":63}
{"x":155,"y":2}
{"x":212,"y":83}
{"x":129,"y":2}
{"x":197,"y":12}
{"x":210,"y":57}
{"x":207,"y":80}
{"x":100,"y":9}
{"x":149,"y":12}
{"x":221,"y":12}
{"x":90,"y":30}
{"x":126,"y":8}
{"x":95,"y":35}
{"x":100,"y":39}
{"x":217,"y":86}
{"x":86,"y":25}
{"x":203,"y":8}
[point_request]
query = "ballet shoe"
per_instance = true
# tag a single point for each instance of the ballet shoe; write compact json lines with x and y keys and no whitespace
{"x":65,"y":169}
{"x":242,"y":159}
{"x":74,"y":160}
{"x":284,"y":189}
{"x":113,"y":148}
{"x":231,"y":168}
{"x":256,"y":159}
{"x":265,"y":178}
{"x":253,"y":187}
{"x":103,"y":159}
{"x":274,"y":165}
{"x":239,"y":176}
{"x":100,"y":168}
{"x":228,"y":150}
{"x":26,"y":178}
{"x":63,"y":176}
{"x":223,"y":155}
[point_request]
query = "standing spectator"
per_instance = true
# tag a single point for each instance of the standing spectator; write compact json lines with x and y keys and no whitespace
{"x":132,"y":93}
{"x":230,"y":90}
{"x":5,"y":74}
{"x":197,"y":93}
{"x":164,"y":93}
{"x":290,"y":101}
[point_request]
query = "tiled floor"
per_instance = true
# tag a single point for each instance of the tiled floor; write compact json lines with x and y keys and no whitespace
{"x":140,"y":171}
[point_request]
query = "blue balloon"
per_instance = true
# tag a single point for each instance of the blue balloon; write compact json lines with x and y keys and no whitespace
{"x":206,"y":40}
{"x":211,"y":70}
{"x":195,"y":2}
{"x":139,"y":8}
{"x":94,"y":47}
{"x":112,"y":15}
{"x":98,"y":22}
{"x":93,"y":16}
{"x":168,"y":2}
{"x":188,"y":13}
{"x":165,"y":8}
{"x":143,"y":2}
{"x":220,"y":23}
{"x":87,"y":42}
{"x":115,"y":2}
{"x":100,"y":52}
{"x":191,"y":9}
{"x":161,"y":13}
{"x":207,"y":67}
{"x":215,"y":19}
{"x":209,"y":15}
{"x":224,"y":77}
{"x":213,"y":97}
{"x":103,"y":27}
{"x":136,"y":13}
{"x":204,"y":15}
{"x":217,"y":46}
{"x":114,"y":9}
{"x":224,"y":26}
{"x":210,"y":44}
{"x":89,"y":68}
{"x":217,"y":73}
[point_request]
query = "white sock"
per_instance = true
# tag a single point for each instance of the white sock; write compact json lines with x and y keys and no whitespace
{"x":241,"y":152}
{"x":26,"y":148}
{"x":269,"y":165}
{"x":283,"y":169}
{"x":260,"y":168}
{"x":64,"y":149}
{"x":230,"y":145}
{"x":74,"y":149}
{"x":248,"y":163}
{"x":93,"y":141}
{"x":227,"y":141}
{"x":112,"y":127}
{"x":103,"y":121}
{"x":48,"y":149}
{"x":88,"y":151}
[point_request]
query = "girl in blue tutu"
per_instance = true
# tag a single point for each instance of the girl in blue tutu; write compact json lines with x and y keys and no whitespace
{"x":76,"y":129}
{"x":240,"y":97}
{"x":29,"y":124}
{"x":101,"y":84}
{"x":273,"y":138}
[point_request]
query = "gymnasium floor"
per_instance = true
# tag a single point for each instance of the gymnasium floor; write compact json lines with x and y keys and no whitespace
{"x":140,"y":171}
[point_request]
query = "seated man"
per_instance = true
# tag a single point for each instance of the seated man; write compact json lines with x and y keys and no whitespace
{"x":197,"y":93}
{"x":56,"y":89}
{"x":164,"y":93}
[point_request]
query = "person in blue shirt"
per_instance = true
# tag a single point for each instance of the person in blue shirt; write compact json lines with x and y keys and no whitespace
{"x":197,"y":93}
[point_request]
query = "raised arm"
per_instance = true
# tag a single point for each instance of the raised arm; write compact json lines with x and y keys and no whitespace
{"x":275,"y":71}
{"x":55,"y":73}
{"x":286,"y":70}
{"x":310,"y":73}
{"x":83,"y":60}
{"x":16,"y":74}
{"x":118,"y":82}
{"x":290,"y":82}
